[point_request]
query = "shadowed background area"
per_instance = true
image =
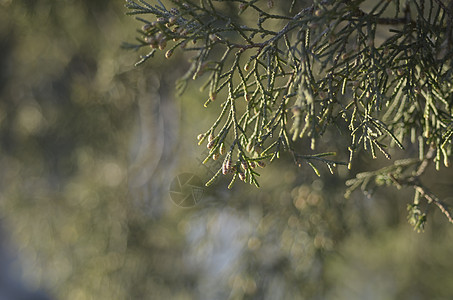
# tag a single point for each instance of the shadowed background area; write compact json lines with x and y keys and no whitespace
{"x":89,"y":146}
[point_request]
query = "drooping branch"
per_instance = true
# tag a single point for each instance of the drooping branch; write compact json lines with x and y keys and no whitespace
{"x":399,"y":175}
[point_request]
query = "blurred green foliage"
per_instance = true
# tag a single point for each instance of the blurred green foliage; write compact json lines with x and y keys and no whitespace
{"x":90,"y":144}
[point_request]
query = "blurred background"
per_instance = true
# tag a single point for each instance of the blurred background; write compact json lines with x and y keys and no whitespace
{"x":90,"y":146}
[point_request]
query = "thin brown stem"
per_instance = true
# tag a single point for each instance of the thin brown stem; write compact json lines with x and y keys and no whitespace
{"x":431,"y":198}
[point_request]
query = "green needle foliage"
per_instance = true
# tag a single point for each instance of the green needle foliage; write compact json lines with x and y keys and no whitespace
{"x":379,"y":71}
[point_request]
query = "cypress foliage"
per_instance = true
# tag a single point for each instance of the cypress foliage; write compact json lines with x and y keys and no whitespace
{"x":381,"y":72}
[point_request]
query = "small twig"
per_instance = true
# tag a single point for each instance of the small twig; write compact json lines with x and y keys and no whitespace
{"x":431,"y":198}
{"x":414,"y":181}
{"x":280,"y":34}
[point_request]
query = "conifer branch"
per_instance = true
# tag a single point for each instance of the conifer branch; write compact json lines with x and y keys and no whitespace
{"x":332,"y":63}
